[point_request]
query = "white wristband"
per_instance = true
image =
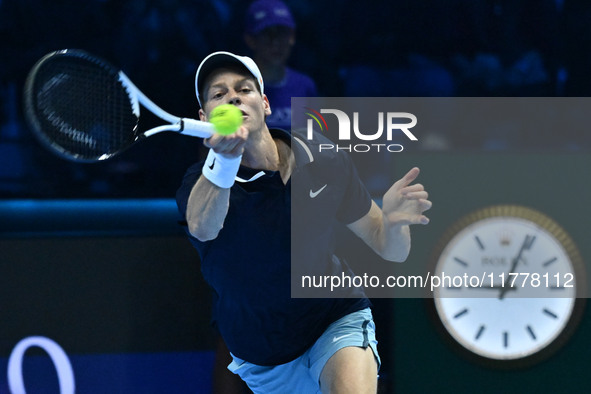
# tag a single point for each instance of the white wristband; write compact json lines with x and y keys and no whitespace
{"x":220,"y":170}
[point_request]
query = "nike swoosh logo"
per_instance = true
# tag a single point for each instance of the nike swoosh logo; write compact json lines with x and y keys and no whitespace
{"x":334,"y":339}
{"x":212,"y":164}
{"x":314,"y":194}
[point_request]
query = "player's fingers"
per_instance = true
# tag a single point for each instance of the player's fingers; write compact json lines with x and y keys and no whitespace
{"x":408,"y":219}
{"x":416,"y":195}
{"x":241,"y":133}
{"x":412,"y":189}
{"x":425,"y":204}
{"x":222,"y":147}
{"x":408,"y":178}
{"x":227,"y":143}
{"x":218,"y":141}
{"x":418,"y":219}
{"x":411,"y":175}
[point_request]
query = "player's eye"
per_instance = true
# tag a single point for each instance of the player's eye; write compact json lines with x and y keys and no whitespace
{"x":217,"y":95}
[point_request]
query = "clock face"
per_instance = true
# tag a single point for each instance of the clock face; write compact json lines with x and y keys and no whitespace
{"x":509,"y":283}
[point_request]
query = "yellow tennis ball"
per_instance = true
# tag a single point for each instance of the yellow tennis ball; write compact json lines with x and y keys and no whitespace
{"x":226,"y":119}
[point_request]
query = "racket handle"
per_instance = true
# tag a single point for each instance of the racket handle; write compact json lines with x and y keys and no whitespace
{"x":197,"y":128}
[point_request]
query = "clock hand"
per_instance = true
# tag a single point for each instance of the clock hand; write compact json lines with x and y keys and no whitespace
{"x":526,"y":245}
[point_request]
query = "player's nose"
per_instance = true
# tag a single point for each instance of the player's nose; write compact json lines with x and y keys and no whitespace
{"x":234,"y":99}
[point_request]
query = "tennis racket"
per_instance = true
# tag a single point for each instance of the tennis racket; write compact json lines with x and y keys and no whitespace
{"x":84,"y":109}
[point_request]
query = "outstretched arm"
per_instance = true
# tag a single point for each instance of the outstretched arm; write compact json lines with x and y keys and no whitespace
{"x":208,"y":203}
{"x":386,"y":230}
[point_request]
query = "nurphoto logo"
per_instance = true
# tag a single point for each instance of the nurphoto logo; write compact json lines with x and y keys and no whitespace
{"x":390,"y":126}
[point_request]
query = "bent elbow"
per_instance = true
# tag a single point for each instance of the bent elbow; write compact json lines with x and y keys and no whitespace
{"x":396,"y":256}
{"x":203,"y":233}
{"x":400,"y":258}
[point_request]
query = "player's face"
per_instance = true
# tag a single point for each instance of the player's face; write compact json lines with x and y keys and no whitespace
{"x":226,"y":86}
{"x":272,"y":45}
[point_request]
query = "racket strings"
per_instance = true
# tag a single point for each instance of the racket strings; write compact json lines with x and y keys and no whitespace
{"x":83,"y":109}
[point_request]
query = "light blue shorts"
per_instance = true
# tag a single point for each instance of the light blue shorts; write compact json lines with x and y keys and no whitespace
{"x":302,"y":375}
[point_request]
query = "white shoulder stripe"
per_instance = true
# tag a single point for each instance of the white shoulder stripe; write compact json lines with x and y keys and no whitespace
{"x":305,"y":148}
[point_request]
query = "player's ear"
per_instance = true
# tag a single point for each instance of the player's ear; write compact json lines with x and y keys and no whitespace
{"x":202,"y":116}
{"x":266,"y":105}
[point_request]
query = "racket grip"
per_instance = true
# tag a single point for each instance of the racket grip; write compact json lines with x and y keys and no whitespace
{"x":197,"y":128}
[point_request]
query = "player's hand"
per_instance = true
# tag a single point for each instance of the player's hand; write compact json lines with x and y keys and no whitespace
{"x":404,"y":203}
{"x":229,"y":146}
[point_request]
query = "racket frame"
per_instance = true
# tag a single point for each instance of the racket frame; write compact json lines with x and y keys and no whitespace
{"x":183,"y":126}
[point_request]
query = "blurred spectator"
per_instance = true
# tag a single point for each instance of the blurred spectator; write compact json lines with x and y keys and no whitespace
{"x":270,"y":33}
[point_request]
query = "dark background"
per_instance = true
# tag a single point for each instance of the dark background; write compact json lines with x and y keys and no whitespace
{"x":378,"y":48}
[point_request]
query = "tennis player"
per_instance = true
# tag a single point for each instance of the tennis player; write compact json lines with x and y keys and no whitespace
{"x":237,"y":204}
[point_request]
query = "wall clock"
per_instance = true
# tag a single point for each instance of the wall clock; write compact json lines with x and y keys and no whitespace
{"x":512,"y":286}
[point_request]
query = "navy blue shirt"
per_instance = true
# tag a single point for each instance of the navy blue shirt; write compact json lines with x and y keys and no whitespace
{"x":248,"y":264}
